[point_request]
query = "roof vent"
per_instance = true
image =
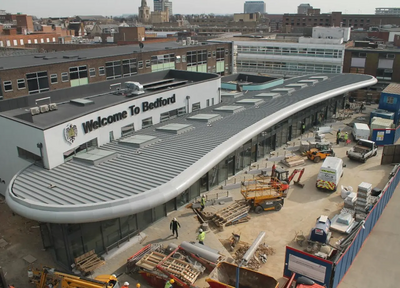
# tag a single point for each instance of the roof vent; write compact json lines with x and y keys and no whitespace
{"x":39,"y":56}
{"x":49,"y":57}
{"x":81,"y":102}
{"x":133,"y":88}
{"x":70,"y":56}
{"x":44,"y":108}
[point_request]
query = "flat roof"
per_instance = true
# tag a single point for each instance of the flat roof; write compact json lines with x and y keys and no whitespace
{"x":100,"y":96}
{"x":12,"y":62}
{"x":392,"y":88}
{"x":135,"y":182}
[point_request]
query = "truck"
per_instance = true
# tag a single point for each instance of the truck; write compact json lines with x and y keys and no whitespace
{"x":329,"y":174}
{"x":360,"y":131}
{"x":363,"y":150}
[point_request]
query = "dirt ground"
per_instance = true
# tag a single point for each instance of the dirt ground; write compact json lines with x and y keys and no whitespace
{"x":302,"y":208}
{"x":304,"y":205}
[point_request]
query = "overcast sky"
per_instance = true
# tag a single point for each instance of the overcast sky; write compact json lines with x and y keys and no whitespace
{"x":45,"y":8}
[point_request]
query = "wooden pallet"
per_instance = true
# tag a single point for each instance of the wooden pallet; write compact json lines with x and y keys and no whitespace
{"x":237,"y":210}
{"x":88,"y":262}
{"x":180,"y":269}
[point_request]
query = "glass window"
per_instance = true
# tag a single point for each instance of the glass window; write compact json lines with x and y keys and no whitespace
{"x":7,"y":86}
{"x":129,"y":67}
{"x":21,"y":84}
{"x":91,"y":235}
{"x":78,"y":72}
{"x":164,"y":116}
{"x":226,"y":52}
{"x":183,"y":58}
{"x":144,"y":219}
{"x":101,"y":71}
{"x":113,"y":69}
{"x":147,"y":122}
{"x":209,"y":54}
{"x":208,"y":102}
{"x":213,"y":53}
{"x":195,"y":106}
{"x":53,"y":78}
{"x":111,"y":231}
{"x":148,"y":63}
{"x":128,"y":225}
{"x":140,"y":64}
{"x":64,"y":77}
{"x":181,"y":111}
{"x":92,"y":72}
{"x":159,"y":212}
{"x":127,"y":130}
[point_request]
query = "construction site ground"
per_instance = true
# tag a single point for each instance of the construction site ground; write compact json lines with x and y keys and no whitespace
{"x":301,"y":209}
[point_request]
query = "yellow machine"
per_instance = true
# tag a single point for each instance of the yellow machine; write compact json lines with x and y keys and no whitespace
{"x":51,"y":278}
{"x":265,"y":194}
{"x":320,"y":152}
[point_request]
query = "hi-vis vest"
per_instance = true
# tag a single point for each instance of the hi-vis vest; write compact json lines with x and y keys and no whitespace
{"x":202,"y":236}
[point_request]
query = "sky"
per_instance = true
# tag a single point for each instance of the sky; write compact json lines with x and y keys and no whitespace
{"x":46,"y":8}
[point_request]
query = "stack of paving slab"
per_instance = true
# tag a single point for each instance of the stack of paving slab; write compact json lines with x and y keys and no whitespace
{"x":350,"y":201}
{"x":292,"y":161}
{"x":304,"y":146}
{"x":364,"y":200}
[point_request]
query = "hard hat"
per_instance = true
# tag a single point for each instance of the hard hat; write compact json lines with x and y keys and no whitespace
{"x":346,"y":132}
{"x":137,"y":285}
{"x":126,"y":284}
{"x":172,"y":281}
{"x":175,"y":219}
{"x":203,"y":196}
{"x":200,"y":230}
{"x":114,"y":275}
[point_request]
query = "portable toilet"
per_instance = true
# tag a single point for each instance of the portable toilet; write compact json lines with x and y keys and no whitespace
{"x":321,"y":233}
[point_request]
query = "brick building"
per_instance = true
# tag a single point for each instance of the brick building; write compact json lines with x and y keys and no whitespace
{"x":32,"y":74}
{"x":337,"y":19}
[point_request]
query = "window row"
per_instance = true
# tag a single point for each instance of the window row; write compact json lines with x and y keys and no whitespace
{"x":282,"y":66}
{"x":21,"y":42}
{"x":307,"y":52}
{"x":124,"y":68}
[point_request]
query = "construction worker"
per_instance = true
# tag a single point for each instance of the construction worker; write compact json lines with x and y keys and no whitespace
{"x":303,"y":128}
{"x":362,"y":107}
{"x":338,"y":136}
{"x":273,"y":170}
{"x":169,"y":283}
{"x":174,"y":227}
{"x":346,"y":138}
{"x":203,"y":202}
{"x":126,"y":285}
{"x":202,"y":236}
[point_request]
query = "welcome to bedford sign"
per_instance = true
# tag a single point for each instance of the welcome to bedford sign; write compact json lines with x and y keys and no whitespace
{"x":91,"y":125}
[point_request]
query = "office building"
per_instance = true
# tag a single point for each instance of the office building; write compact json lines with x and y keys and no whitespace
{"x":387,"y":11}
{"x":303,"y":8}
{"x":162,"y":5}
{"x":254,"y":7}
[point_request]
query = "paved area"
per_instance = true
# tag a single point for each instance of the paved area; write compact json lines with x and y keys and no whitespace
{"x":377,"y":264}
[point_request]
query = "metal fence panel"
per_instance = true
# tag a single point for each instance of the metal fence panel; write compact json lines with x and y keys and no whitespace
{"x":344,"y":263}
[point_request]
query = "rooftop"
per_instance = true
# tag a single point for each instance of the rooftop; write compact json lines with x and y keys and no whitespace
{"x":74,"y":55}
{"x":98,"y":95}
{"x":392,"y":88}
{"x":135,"y":182}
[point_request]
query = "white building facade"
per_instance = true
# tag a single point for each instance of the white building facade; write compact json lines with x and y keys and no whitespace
{"x":288,"y":58}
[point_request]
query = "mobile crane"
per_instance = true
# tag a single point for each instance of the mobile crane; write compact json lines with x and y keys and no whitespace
{"x":51,"y":278}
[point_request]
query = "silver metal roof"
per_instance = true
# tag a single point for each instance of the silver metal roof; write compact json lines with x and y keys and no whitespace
{"x":134,"y":182}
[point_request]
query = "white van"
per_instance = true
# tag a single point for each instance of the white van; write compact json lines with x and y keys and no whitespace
{"x":330,"y":173}
{"x":361,"y":131}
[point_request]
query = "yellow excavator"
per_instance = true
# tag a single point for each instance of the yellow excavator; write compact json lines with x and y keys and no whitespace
{"x":51,"y":278}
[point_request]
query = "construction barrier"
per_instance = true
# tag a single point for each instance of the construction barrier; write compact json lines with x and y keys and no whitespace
{"x":345,"y":261}
{"x":330,"y":273}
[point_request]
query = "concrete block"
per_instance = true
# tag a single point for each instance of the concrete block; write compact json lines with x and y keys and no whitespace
{"x":29,"y":258}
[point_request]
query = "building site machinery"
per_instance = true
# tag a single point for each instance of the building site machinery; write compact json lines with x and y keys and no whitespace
{"x":51,"y":278}
{"x":283,"y":176}
{"x":320,"y":152}
{"x":268,"y":192}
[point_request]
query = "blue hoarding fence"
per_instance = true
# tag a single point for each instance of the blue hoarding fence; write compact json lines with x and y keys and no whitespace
{"x":330,"y":273}
{"x":347,"y":258}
